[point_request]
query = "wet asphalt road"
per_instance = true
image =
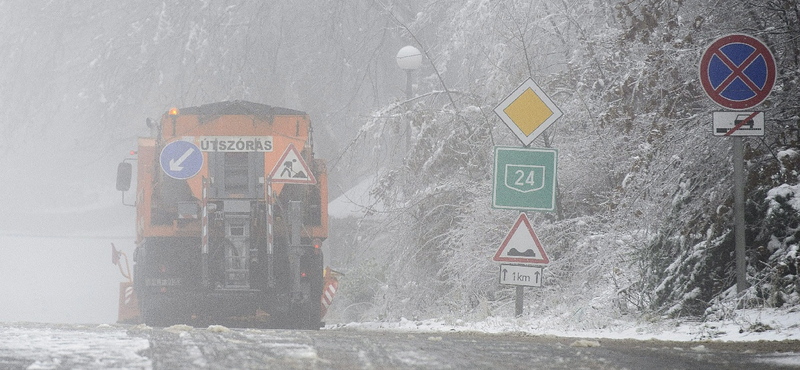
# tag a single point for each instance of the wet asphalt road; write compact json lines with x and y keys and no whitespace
{"x":41,"y":346}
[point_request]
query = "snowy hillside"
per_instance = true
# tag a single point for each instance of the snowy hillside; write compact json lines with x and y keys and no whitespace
{"x":644,"y":222}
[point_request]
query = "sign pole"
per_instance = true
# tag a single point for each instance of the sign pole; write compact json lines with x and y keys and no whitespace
{"x":524,"y":178}
{"x":738,"y":214}
{"x":519,"y":296}
{"x":738,"y":72}
{"x":518,"y":299}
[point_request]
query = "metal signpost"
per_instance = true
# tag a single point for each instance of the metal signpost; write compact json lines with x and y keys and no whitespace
{"x":524,"y":179}
{"x":521,"y":246}
{"x":738,"y":72}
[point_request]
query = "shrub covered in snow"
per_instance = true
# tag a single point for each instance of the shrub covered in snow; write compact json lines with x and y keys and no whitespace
{"x":644,"y":222}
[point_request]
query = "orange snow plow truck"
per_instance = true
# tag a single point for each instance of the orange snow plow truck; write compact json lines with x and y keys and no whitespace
{"x":231,"y":213}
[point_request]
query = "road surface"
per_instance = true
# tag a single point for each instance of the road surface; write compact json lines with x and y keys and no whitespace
{"x":56,"y":346}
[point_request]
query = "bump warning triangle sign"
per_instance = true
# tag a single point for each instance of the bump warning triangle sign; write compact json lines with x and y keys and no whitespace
{"x":521,"y":245}
{"x":292,"y":169}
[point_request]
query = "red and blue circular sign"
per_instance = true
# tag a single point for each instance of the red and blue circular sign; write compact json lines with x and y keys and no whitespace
{"x":737,"y":71}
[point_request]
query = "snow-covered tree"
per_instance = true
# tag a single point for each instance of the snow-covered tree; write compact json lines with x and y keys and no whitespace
{"x":645,"y":219}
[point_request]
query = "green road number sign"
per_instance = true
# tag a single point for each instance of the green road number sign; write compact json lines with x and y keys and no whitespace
{"x":524,"y":178}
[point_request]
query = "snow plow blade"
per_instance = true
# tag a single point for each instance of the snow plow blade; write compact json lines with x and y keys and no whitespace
{"x":128,"y":305}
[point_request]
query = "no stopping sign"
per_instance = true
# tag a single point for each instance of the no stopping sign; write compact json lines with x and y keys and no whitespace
{"x":737,"y":71}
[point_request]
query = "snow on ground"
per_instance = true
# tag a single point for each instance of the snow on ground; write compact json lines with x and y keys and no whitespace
{"x":44,"y":347}
{"x":748,"y":325}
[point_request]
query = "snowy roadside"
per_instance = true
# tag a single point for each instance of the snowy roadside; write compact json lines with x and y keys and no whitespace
{"x":36,"y":346}
{"x":748,"y":325}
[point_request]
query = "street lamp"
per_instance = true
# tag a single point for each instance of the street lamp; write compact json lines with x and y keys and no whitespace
{"x":409,"y":58}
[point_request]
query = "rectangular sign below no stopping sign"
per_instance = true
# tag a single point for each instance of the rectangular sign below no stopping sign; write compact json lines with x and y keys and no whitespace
{"x":738,"y":123}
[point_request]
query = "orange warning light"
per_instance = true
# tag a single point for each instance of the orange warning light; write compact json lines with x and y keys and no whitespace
{"x":173,"y":111}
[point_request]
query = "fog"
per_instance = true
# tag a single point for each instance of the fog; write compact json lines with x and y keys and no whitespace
{"x":642,"y":223}
{"x":80,"y":78}
{"x":62,"y":214}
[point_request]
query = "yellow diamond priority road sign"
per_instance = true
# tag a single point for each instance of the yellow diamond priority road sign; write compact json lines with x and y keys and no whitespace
{"x":528,"y":111}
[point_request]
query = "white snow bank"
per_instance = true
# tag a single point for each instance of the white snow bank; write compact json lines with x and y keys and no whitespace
{"x":788,"y":153}
{"x":785,"y":191}
{"x":748,"y":325}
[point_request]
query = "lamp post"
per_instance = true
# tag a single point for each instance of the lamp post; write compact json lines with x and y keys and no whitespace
{"x":409,"y":58}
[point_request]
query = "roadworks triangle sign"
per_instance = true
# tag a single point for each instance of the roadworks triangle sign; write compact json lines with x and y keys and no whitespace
{"x":521,"y":245}
{"x":292,"y":169}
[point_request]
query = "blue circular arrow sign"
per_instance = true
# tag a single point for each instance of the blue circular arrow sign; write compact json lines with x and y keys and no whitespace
{"x":181,"y":159}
